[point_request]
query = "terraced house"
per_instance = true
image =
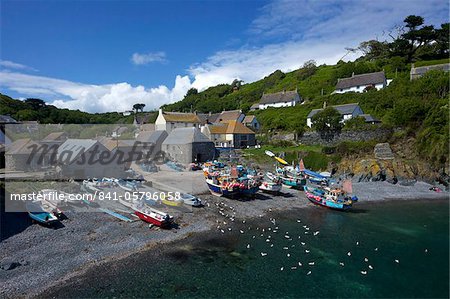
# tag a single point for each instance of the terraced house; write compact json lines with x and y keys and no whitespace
{"x":168,"y":121}
{"x":232,"y":134}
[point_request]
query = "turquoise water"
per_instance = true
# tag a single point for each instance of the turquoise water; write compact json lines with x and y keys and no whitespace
{"x":220,"y":265}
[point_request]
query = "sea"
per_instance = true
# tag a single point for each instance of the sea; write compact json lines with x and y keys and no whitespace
{"x":395,"y":249}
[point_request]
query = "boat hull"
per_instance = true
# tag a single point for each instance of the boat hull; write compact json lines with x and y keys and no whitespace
{"x":321,"y":201}
{"x":270,"y":187}
{"x":154,"y":221}
{"x":219,"y":191}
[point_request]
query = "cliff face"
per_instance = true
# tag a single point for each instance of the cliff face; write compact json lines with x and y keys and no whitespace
{"x":392,"y":163}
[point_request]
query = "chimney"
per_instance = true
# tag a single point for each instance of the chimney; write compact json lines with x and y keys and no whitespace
{"x":324,"y":105}
{"x":353,"y":74}
{"x":160,"y":111}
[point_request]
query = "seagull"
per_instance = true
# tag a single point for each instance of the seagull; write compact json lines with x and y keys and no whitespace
{"x":300,"y":264}
{"x":294,"y":268}
{"x":243,"y":221}
{"x":285,"y":248}
{"x":286,"y":236}
{"x":253,"y":237}
{"x":342,"y":264}
{"x":316,"y":233}
{"x":307,"y":251}
{"x":366,"y":259}
{"x":288,"y":255}
{"x":263,"y":230}
{"x":282,"y":268}
{"x":241,"y":231}
{"x":309,"y":272}
{"x":363,"y":272}
{"x":357,"y":243}
{"x":397,"y":261}
{"x":376,"y":249}
{"x":370,"y":267}
{"x":248,"y":246}
{"x":229,"y":228}
{"x":306,"y":233}
{"x":298,"y":220}
{"x":303,"y":243}
{"x":263,"y":254}
{"x":349,"y":253}
{"x":426,"y":250}
{"x":271,"y":245}
{"x":222,"y":231}
{"x":311,"y":263}
{"x":267,"y":240}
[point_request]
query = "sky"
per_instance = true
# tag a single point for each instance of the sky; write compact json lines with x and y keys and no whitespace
{"x":102,"y":56}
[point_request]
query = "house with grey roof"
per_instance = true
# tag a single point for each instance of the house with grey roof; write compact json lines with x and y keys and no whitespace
{"x":417,"y":72}
{"x":187,"y":145}
{"x":347,"y":112}
{"x":280,"y":99}
{"x":251,"y":122}
{"x":152,"y":142}
{"x":360,"y":83}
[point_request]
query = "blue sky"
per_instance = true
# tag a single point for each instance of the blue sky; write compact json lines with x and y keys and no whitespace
{"x":106,"y":55}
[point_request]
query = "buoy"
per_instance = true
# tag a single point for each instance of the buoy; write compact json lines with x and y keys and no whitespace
{"x":267,"y":240}
{"x":298,"y":220}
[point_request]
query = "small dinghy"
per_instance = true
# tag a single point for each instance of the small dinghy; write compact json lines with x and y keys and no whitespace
{"x":38,"y":213}
{"x":153,"y":216}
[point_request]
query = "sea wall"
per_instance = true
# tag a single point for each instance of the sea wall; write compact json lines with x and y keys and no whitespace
{"x":313,"y":137}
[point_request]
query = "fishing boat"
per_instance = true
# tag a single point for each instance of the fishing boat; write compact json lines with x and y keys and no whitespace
{"x":171,"y":200}
{"x":126,"y":185}
{"x":37,"y":212}
{"x":191,"y":200}
{"x":221,"y":185}
{"x":271,"y":184}
{"x":153,"y":216}
{"x":336,"y":199}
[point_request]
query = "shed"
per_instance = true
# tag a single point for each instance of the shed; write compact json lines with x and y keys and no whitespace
{"x":186,"y":145}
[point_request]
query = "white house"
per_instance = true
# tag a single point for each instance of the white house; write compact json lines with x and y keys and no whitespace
{"x":347,"y":111}
{"x":359,"y":83}
{"x":168,"y":121}
{"x":279,"y":99}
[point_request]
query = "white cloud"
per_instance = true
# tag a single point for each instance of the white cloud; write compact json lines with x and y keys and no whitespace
{"x":94,"y":98}
{"x":14,"y":65}
{"x":301,"y":30}
{"x":142,"y":59}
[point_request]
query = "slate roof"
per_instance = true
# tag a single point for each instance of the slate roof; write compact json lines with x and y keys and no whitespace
{"x":75,"y":147}
{"x":185,"y":136}
{"x":20,"y":147}
{"x":181,"y":117}
{"x":361,"y":80}
{"x":207,"y":117}
{"x":53,"y":136}
{"x":226,"y":116}
{"x":6,"y":119}
{"x":369,"y":118}
{"x":279,"y":97}
{"x":152,"y":137}
{"x":342,"y":109}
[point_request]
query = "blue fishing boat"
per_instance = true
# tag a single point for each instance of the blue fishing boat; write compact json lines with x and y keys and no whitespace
{"x":336,"y":199}
{"x":219,"y":187}
{"x":37,"y":213}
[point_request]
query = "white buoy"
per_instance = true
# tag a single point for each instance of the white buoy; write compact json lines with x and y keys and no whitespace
{"x":253,"y":237}
{"x":229,"y":228}
{"x":298,"y":220}
{"x":267,"y":240}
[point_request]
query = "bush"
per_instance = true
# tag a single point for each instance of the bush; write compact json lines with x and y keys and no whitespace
{"x":328,"y":150}
{"x":316,"y":161}
{"x":355,"y":147}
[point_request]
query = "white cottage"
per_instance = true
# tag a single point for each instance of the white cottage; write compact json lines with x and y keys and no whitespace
{"x":168,"y":121}
{"x":359,"y":83}
{"x":347,"y":112}
{"x":279,"y":99}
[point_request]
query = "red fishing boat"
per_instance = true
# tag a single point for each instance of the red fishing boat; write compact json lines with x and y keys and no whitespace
{"x":153,"y":216}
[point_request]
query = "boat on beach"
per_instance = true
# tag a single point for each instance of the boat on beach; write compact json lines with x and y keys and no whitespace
{"x":191,"y":200}
{"x":271,"y":184}
{"x":39,"y":213}
{"x":153,"y":216}
{"x":126,"y":185}
{"x":333,"y":198}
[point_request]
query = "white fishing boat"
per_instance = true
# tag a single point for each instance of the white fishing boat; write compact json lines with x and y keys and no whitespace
{"x":191,"y":200}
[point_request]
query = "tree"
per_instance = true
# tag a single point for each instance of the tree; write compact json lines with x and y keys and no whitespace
{"x":327,"y":123}
{"x":137,"y":107}
{"x":236,"y":85}
{"x":35,"y":103}
{"x":191,"y":91}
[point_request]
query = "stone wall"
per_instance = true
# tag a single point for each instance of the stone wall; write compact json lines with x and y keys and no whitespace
{"x":312,"y":137}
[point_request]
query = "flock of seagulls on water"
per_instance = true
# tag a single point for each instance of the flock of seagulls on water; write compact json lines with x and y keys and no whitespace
{"x":228,"y":212}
